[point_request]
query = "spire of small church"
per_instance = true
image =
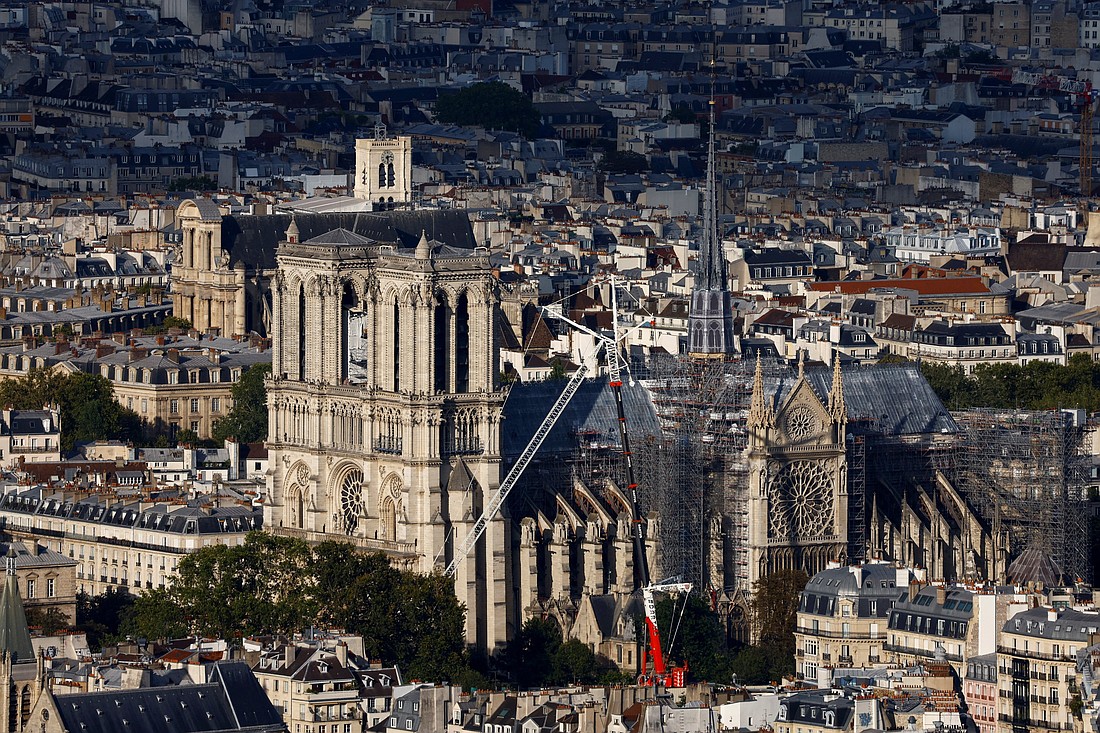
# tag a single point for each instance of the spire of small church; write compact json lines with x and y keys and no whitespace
{"x":15,"y":638}
{"x":423,"y":247}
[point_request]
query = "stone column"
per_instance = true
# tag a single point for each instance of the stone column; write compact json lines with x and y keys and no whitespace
{"x":527,"y":576}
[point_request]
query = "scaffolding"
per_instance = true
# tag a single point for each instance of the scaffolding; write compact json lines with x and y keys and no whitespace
{"x":1025,"y":473}
{"x":702,"y":494}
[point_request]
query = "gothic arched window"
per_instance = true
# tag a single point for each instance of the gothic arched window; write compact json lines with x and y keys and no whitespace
{"x":441,"y":351}
{"x":351,"y":500}
{"x":462,"y":344}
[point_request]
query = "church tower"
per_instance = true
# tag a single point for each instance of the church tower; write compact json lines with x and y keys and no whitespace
{"x":798,"y":482}
{"x":383,"y":170}
{"x":710,"y":318}
{"x":384,"y":408}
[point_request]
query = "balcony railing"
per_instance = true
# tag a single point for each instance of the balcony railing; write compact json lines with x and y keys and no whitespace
{"x":841,"y":634}
{"x":388,"y":445}
{"x":931,"y":653}
{"x":1029,"y":654}
{"x":33,"y":449}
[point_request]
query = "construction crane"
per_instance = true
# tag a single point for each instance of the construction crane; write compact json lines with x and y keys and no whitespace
{"x":661,"y":674}
{"x":518,"y":467}
{"x":1084,"y":95}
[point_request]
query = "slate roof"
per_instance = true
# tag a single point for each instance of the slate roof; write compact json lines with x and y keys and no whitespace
{"x":591,"y":409}
{"x":252,"y":240}
{"x":1035,"y":257}
{"x":894,"y":399}
{"x":15,"y":639}
{"x":231,"y":701}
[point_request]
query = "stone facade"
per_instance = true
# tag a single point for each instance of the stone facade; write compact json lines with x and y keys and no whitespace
{"x":209,"y":291}
{"x":383,"y":170}
{"x":798,"y":507}
{"x":385,"y":405}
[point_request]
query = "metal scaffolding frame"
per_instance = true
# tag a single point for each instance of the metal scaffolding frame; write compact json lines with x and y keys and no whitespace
{"x":1025,"y":474}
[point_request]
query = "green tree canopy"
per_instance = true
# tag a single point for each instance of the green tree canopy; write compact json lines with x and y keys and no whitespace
{"x":1037,"y":385}
{"x":281,"y":585}
{"x":624,"y":161}
{"x":538,"y":656}
{"x":494,"y":105}
{"x":88,"y":407}
{"x":246,"y":422}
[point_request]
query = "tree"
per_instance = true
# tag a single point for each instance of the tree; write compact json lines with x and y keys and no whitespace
{"x":100,"y":617}
{"x":494,"y":105}
{"x":775,"y":604}
{"x":154,"y":615}
{"x":169,"y":322}
{"x":624,"y":161}
{"x":246,"y":422}
{"x":700,"y":639}
{"x":259,"y":587}
{"x":280,"y":585}
{"x":530,"y":655}
{"x":50,"y":620}
{"x":87,"y":404}
{"x":775,"y":613}
{"x":193,"y":183}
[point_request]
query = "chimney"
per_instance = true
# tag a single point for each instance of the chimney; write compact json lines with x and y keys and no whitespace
{"x":1052,"y":614}
{"x":342,"y":653}
{"x":160,"y":341}
{"x":941,"y":594}
{"x":174,"y":356}
{"x":914,"y":589}
{"x":289,"y":653}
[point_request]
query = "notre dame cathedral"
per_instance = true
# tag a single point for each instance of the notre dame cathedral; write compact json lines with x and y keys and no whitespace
{"x":384,"y":407}
{"x":798,"y":488}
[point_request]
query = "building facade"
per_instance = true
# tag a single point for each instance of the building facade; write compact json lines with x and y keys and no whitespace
{"x":384,"y":408}
{"x":842,"y":616}
{"x":798,"y":485}
{"x":383,"y":170}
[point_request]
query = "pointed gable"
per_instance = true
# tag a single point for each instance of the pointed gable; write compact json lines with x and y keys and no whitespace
{"x":15,"y":638}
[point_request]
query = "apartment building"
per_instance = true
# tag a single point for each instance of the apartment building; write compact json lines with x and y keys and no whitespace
{"x":843,"y":613}
{"x":938,"y":620}
{"x":172,"y":382}
{"x":980,"y":691}
{"x":121,"y":539}
{"x":325,"y":687}
{"x":1037,"y":667}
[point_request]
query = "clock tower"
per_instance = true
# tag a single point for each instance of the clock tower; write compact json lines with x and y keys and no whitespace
{"x":383,"y":170}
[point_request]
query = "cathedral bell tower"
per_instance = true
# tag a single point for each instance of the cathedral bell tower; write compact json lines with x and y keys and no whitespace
{"x":384,"y":408}
{"x":798,"y":483}
{"x":383,"y":170}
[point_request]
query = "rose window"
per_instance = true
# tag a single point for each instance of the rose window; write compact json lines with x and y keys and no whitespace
{"x":801,"y":423}
{"x":800,"y":501}
{"x":351,"y":500}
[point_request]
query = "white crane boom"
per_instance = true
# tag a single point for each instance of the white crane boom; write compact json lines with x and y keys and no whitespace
{"x":518,"y":467}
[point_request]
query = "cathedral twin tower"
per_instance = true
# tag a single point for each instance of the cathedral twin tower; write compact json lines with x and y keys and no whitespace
{"x":384,"y":408}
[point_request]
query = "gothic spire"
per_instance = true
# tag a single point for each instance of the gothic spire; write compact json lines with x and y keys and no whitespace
{"x":758,"y":407}
{"x":712,"y":260}
{"x":710,"y":318}
{"x":836,"y":392}
{"x":15,"y":639}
